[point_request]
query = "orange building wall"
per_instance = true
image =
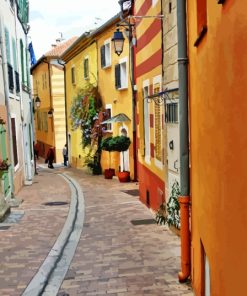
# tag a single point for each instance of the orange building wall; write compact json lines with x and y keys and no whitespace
{"x":148,"y":55}
{"x":218,"y":111}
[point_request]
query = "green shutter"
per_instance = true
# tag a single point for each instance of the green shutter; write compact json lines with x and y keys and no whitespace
{"x":14,"y":54}
{"x":7,"y":45}
{"x":22,"y":61}
{"x":27,"y":67}
{"x":3,"y":142}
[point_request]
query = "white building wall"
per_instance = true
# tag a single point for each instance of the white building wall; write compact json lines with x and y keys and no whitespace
{"x":19,"y":104}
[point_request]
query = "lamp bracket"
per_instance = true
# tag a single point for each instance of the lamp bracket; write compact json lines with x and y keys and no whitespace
{"x":161,"y":97}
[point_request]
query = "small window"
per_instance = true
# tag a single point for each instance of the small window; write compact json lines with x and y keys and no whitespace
{"x":73,"y":75}
{"x":108,"y":110}
{"x":121,"y":76}
{"x":105,"y":52}
{"x":86,"y":68}
{"x":172,"y":113}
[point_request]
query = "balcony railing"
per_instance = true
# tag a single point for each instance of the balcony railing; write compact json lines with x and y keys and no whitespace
{"x":10,"y":78}
{"x":17,"y":82}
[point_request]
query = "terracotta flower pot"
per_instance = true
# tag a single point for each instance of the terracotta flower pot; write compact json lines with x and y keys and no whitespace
{"x":124,"y":176}
{"x":109,"y":173}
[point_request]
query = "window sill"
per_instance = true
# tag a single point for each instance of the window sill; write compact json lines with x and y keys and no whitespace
{"x":123,"y":88}
{"x":106,"y":67}
{"x":201,"y":35}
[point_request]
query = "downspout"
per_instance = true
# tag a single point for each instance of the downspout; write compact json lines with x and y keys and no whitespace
{"x":6,"y":93}
{"x":184,"y":198}
{"x":65,"y":100}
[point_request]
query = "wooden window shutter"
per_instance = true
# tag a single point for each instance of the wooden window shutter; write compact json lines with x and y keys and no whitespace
{"x":14,"y":141}
{"x":22,"y":61}
{"x":14,"y":54}
{"x":86,"y":69}
{"x":3,"y":142}
{"x":117,"y":76}
{"x":102,"y":52}
{"x":7,"y":44}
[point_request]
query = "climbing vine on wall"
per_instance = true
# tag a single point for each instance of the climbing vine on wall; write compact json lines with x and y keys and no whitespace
{"x":87,"y":114}
{"x":170,"y":213}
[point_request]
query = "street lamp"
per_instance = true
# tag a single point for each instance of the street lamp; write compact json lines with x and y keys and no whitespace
{"x":37,"y":102}
{"x":118,"y":42}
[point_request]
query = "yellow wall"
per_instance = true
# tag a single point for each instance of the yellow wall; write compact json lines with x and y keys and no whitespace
{"x":58,"y":103}
{"x":42,"y":89}
{"x":120,"y":100}
{"x":76,"y":152}
{"x":51,"y":93}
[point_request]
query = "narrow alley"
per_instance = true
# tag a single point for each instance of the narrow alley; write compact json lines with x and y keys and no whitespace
{"x":120,"y":251}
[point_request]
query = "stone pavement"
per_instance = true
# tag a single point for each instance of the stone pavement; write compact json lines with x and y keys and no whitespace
{"x":113,"y":256}
{"x":116,"y":257}
{"x":25,"y":245}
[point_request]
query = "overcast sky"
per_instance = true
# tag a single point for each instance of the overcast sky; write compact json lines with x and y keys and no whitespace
{"x":71,"y":17}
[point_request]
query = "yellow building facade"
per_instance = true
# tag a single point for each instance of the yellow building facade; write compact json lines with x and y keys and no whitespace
{"x":48,"y":85}
{"x":97,"y":48}
{"x":76,"y":56}
{"x":116,"y":95}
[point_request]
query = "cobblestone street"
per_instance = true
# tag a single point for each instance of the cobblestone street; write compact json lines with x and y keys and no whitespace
{"x":114,"y":256}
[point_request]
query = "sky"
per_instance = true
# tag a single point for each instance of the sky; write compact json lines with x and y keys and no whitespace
{"x":49,"y":18}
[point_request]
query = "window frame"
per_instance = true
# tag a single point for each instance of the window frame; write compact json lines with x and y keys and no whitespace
{"x":86,"y":73}
{"x":146,"y":122}
{"x":121,"y":74}
{"x":108,"y":107}
{"x":106,"y":54}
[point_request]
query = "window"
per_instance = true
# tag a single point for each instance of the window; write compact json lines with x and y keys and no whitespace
{"x":105,"y":53}
{"x":121,"y":75}
{"x":86,"y":68}
{"x":146,"y":126}
{"x":172,"y":113}
{"x":158,"y":126}
{"x":73,"y":75}
{"x":42,"y":121}
{"x":14,"y":141}
{"x":108,"y":110}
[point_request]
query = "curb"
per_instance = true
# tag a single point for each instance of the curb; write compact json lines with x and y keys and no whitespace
{"x":40,"y":281}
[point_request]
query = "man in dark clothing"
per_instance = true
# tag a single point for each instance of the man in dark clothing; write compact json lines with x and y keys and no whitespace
{"x":50,"y":157}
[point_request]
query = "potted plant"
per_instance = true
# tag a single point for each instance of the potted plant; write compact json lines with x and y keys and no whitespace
{"x":121,"y":144}
{"x":4,"y":166}
{"x":107,"y":145}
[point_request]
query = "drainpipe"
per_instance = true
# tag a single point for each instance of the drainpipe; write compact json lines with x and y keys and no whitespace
{"x":6,"y":93}
{"x":60,"y":62}
{"x":184,"y":198}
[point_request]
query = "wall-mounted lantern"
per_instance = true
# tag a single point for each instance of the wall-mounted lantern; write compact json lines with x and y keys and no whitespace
{"x":37,"y":102}
{"x":50,"y":113}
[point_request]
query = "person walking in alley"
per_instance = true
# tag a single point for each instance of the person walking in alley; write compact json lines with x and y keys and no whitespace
{"x":50,"y":157}
{"x":65,"y":155}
